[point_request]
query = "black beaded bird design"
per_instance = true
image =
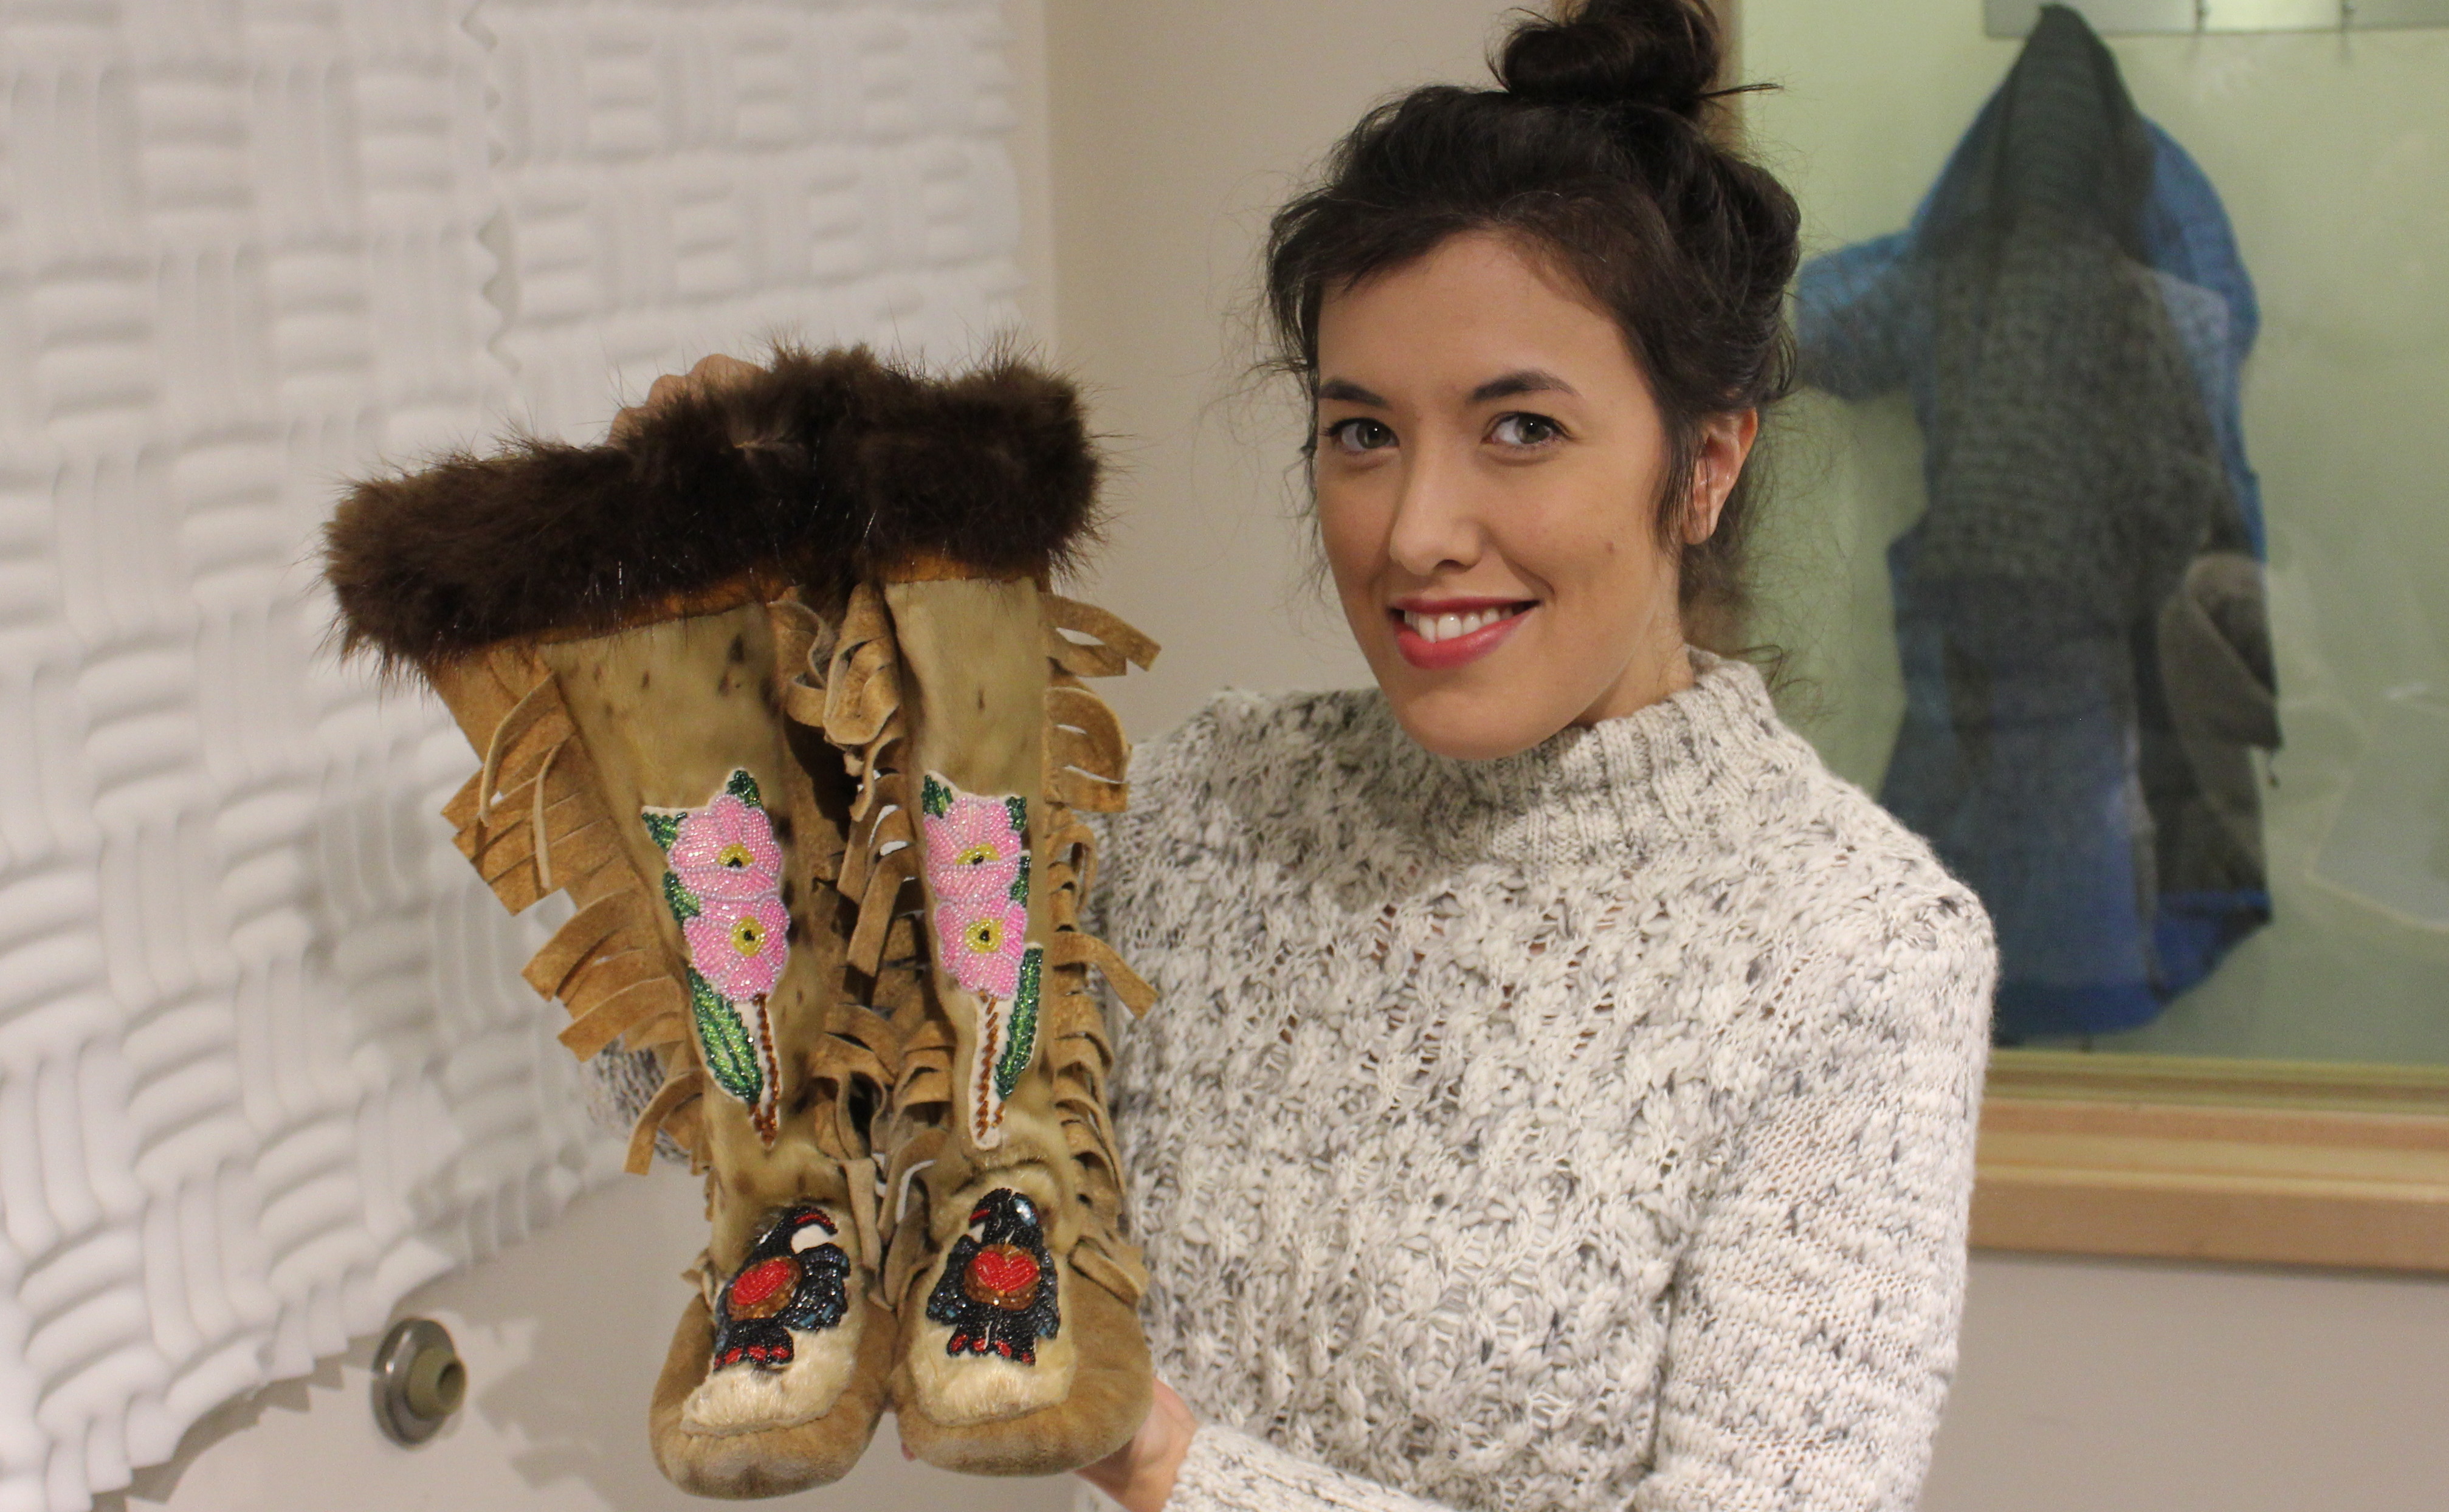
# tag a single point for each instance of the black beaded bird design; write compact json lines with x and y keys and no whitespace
{"x":793,"y":1279}
{"x":997,"y":1290}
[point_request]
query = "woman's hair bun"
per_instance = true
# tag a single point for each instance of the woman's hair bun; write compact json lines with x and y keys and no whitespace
{"x":1665,"y":53}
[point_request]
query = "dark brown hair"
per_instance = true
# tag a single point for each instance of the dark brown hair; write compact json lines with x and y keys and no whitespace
{"x":1606,"y":148}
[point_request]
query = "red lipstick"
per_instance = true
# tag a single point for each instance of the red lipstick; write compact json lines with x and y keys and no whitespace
{"x":1457,"y":650}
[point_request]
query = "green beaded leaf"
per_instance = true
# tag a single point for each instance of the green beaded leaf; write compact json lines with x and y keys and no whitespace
{"x":723,"y":1038}
{"x":743,"y":787}
{"x":1019,"y":808}
{"x":663,"y":825}
{"x":1022,"y":1042}
{"x":935,"y":797}
{"x":681,"y":900}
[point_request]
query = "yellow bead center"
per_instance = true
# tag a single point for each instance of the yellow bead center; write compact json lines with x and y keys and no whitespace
{"x":985,"y":936}
{"x":748,"y":937}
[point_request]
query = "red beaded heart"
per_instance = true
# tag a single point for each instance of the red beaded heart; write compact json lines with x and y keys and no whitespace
{"x":763,"y":1287}
{"x":1002,"y":1276}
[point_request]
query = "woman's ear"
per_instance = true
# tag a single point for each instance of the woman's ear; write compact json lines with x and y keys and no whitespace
{"x":1726,"y":442}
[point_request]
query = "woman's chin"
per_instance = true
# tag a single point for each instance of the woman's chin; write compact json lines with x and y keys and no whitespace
{"x":1469,"y":725}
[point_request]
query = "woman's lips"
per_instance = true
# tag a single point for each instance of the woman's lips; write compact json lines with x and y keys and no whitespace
{"x":1460,"y":646}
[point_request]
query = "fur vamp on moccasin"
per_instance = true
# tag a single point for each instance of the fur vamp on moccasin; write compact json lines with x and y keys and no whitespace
{"x":823,"y":467}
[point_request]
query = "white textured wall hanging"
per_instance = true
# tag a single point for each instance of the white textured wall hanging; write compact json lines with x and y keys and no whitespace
{"x":265,"y":1064}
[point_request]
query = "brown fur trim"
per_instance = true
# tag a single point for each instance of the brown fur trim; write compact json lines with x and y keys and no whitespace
{"x":824,"y":468}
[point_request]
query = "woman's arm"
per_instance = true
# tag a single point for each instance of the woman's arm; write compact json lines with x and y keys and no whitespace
{"x":1140,"y":1476}
{"x":1180,"y":1465}
{"x":1813,"y":1332}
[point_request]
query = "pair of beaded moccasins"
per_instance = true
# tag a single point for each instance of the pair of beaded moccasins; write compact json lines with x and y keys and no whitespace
{"x":772,"y":685}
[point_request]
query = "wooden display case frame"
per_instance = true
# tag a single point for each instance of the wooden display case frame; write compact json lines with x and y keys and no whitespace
{"x":2178,"y":1157}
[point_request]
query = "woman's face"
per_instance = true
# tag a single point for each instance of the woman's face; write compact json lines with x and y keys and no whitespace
{"x":1487,"y":472}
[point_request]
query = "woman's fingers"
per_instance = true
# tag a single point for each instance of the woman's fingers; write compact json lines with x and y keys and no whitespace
{"x":721,"y":372}
{"x":665,"y":390}
{"x":1140,"y":1475}
{"x":1169,"y":1407}
{"x":711,"y":376}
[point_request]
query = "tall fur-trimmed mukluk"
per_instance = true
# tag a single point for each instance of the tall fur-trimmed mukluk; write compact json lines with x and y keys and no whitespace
{"x":976,"y":742}
{"x":773,"y":686}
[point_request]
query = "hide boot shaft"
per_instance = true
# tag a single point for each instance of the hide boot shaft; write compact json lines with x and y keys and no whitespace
{"x":957,"y":695}
{"x":645,"y":772}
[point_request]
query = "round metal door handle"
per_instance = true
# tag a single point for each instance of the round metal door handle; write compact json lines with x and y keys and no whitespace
{"x":420,"y":1380}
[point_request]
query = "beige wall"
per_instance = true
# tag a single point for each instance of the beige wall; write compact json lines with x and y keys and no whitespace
{"x":1176,"y":128}
{"x":1032,"y":165}
{"x":1176,"y":125}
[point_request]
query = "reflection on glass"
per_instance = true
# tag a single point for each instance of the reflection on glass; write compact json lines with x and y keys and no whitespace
{"x":2131,"y":890}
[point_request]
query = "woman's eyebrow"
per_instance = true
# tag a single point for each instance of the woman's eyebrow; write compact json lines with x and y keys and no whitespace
{"x":1524,"y":380}
{"x":1348,"y":392}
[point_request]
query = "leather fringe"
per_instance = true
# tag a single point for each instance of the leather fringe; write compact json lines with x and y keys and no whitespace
{"x":531,"y":822}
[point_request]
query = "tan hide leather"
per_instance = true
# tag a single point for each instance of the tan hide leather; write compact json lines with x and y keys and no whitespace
{"x":975,"y":679}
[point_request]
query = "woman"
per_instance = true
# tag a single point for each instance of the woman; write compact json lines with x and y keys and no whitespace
{"x":1564,"y":1089}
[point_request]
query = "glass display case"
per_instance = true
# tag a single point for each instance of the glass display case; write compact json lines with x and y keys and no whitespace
{"x":2283,"y":1093}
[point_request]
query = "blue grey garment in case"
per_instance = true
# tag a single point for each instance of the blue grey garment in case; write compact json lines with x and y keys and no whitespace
{"x":2079,"y":616}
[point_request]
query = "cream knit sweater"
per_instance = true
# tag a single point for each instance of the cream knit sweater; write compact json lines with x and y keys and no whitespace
{"x":1591,"y":1128}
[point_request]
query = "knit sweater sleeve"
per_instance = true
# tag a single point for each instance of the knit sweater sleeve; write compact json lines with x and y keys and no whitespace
{"x":1231,"y":1472}
{"x":1815,"y":1310}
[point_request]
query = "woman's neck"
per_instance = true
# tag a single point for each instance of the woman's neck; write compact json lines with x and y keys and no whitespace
{"x":1658,"y":669}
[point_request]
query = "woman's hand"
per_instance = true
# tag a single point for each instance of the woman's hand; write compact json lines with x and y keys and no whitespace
{"x":1139,"y":1474}
{"x":710,"y":376}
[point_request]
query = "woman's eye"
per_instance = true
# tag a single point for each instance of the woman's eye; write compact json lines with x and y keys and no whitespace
{"x":1524,"y":431}
{"x":1361,"y":433}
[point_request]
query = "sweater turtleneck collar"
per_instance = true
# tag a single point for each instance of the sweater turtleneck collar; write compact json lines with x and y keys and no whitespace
{"x":1686,"y":767}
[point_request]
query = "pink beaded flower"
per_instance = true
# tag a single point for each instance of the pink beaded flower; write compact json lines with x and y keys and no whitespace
{"x":726,"y":849}
{"x":981,"y":944}
{"x":738,"y":945}
{"x":977,"y":867}
{"x":975,"y":850}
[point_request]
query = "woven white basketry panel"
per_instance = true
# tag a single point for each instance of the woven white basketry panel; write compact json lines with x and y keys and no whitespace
{"x":265,"y":1064}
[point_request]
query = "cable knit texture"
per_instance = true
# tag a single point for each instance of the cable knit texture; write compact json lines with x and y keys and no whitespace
{"x":1590,"y":1128}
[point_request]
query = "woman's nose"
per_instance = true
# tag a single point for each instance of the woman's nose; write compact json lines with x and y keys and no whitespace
{"x":1437,"y":522}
